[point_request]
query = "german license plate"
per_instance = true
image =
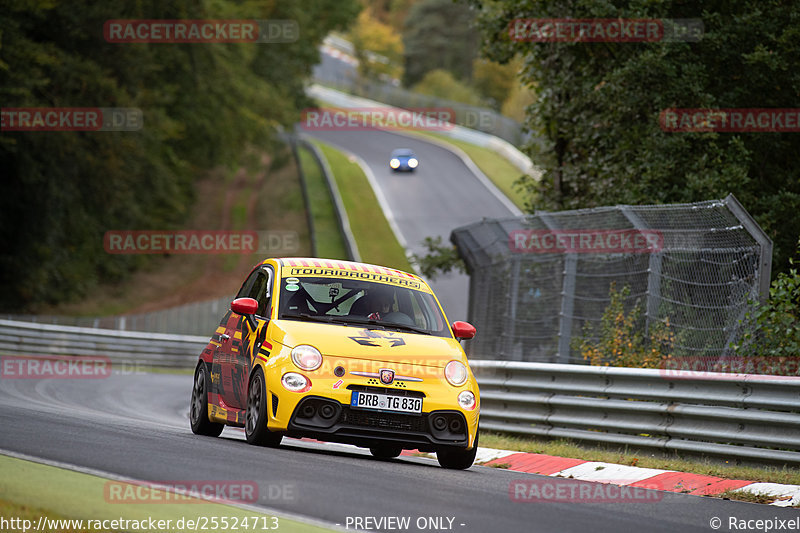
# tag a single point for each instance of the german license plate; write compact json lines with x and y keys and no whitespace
{"x":386,"y":402}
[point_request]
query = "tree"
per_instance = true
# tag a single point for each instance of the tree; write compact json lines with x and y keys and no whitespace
{"x":442,"y":84}
{"x":378,"y":48}
{"x":203,"y":105}
{"x":439,"y":34}
{"x":598,"y":107}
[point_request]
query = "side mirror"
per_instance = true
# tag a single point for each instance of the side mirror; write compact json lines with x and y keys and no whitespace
{"x":244,"y":306}
{"x":463,"y":330}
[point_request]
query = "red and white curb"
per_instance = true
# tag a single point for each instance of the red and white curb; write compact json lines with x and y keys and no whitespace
{"x":650,"y":478}
{"x":611,"y":473}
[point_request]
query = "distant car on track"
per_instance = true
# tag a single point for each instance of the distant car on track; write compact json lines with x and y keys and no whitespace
{"x":343,"y":352}
{"x":403,"y":159}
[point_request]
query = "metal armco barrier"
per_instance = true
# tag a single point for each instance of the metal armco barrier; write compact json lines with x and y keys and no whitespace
{"x":741,"y":416}
{"x":151,"y":349}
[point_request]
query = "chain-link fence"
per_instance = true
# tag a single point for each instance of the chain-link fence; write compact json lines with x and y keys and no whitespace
{"x":537,"y":281}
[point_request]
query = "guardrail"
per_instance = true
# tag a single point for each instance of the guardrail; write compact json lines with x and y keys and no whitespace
{"x":742,"y":416}
{"x":150,"y":349}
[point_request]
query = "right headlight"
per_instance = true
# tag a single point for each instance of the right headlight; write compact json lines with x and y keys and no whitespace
{"x":394,"y":163}
{"x":306,"y":357}
{"x":456,"y":373}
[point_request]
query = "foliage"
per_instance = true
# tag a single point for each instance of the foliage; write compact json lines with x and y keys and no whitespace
{"x":203,"y":104}
{"x":378,"y":48}
{"x":442,"y":84}
{"x":440,"y":259}
{"x":439,"y":34}
{"x":516,"y":104}
{"x":494,"y":81}
{"x":772,"y":329}
{"x":598,"y":107}
{"x":621,"y":339}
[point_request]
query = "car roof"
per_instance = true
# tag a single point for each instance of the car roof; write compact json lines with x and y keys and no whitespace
{"x":402,"y":151}
{"x":343,"y":265}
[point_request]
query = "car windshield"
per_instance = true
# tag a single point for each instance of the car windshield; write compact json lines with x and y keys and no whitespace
{"x":357,"y":302}
{"x":402,"y":153}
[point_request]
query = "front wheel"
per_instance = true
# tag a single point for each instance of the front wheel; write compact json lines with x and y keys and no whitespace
{"x":198,"y":414}
{"x":457,"y":459}
{"x":255,"y":425}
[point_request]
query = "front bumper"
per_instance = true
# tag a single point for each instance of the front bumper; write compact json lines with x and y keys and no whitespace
{"x":330,"y":420}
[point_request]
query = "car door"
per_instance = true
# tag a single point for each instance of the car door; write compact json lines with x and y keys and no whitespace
{"x":243,"y":340}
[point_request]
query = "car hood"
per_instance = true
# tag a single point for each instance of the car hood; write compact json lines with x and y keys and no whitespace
{"x":369,"y":343}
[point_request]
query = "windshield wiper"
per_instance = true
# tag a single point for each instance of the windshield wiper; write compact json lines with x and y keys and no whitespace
{"x":384,"y":325}
{"x":306,"y":316}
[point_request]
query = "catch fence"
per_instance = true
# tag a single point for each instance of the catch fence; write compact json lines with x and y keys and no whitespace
{"x":537,"y":281}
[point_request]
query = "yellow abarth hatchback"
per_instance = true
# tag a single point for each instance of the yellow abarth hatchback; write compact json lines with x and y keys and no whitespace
{"x":342,"y":352}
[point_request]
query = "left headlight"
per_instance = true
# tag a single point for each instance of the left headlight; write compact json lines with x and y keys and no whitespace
{"x":456,"y":373}
{"x":394,"y":163}
{"x":412,"y":163}
{"x":306,"y":357}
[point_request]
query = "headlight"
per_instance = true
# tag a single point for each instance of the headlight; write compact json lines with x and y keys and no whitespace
{"x":394,"y":163}
{"x":456,"y":373}
{"x":306,"y":357}
{"x":295,"y":382}
{"x":466,"y":400}
{"x":413,"y":163}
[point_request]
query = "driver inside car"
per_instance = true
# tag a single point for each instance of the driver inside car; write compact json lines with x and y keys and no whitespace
{"x":379,"y":303}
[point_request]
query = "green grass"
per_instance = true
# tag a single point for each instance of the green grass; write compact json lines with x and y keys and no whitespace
{"x":330,"y":242}
{"x":31,"y":490}
{"x":752,"y":497}
{"x":376,"y":242}
{"x":564,"y":448}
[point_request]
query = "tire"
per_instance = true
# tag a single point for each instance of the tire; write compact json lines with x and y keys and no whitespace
{"x":457,"y":459}
{"x":255,"y":420}
{"x":198,"y":408}
{"x":385,"y":452}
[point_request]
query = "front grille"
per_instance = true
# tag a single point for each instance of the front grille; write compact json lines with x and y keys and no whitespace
{"x":384,"y":420}
{"x":386,"y":390}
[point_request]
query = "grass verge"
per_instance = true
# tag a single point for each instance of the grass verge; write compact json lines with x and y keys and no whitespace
{"x":376,"y":242}
{"x":330,"y":242}
{"x":564,"y":448}
{"x":31,"y":490}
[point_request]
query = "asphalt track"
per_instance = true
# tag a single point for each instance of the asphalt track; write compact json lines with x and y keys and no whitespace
{"x":137,"y":426}
{"x":441,"y":195}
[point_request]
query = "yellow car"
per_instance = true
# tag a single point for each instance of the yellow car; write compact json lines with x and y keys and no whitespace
{"x":342,"y":352}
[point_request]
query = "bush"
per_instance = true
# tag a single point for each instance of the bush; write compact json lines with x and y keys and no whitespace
{"x":621,"y":339}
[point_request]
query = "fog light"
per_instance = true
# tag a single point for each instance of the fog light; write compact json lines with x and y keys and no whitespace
{"x":295,"y":382}
{"x":327,"y":411}
{"x":439,"y":423}
{"x":308,"y":410}
{"x":466,"y":400}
